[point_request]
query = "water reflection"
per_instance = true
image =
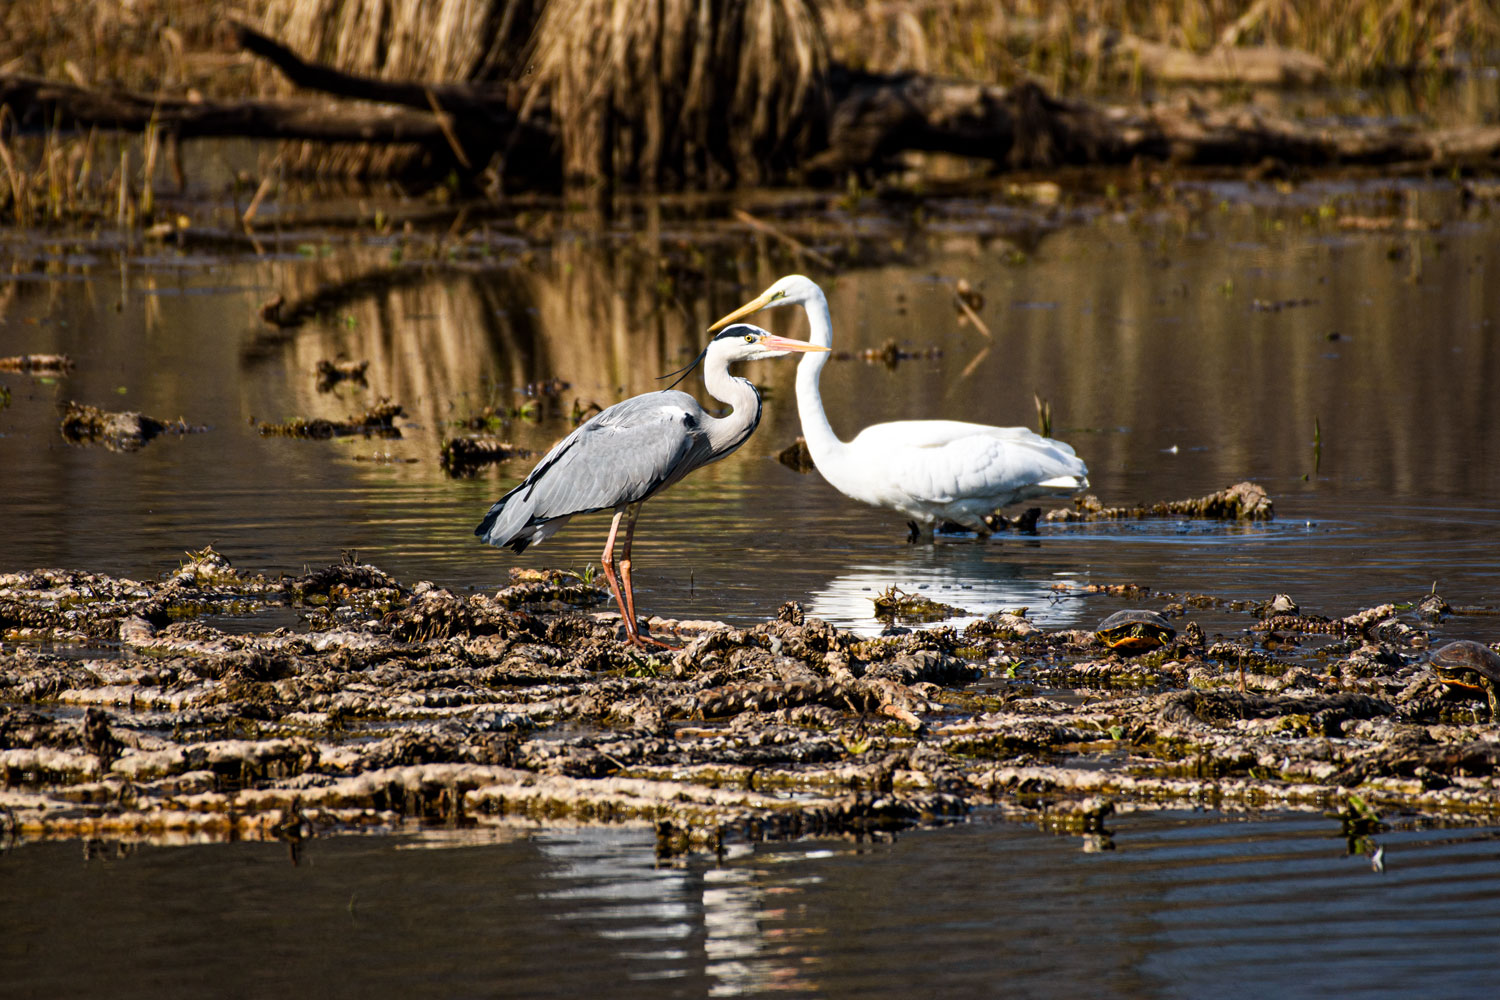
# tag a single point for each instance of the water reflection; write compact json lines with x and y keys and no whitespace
{"x":1188,"y":903}
{"x":972,"y":575}
{"x":1142,"y":331}
{"x":669,"y":923}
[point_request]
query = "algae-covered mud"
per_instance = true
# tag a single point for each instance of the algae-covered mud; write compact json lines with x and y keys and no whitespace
{"x":397,"y":701}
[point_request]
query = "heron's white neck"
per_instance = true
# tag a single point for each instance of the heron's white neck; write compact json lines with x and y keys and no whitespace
{"x":822,"y":443}
{"x":725,"y":434}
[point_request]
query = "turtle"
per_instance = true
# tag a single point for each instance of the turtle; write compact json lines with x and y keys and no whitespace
{"x":1134,"y":629}
{"x":1471,"y":665}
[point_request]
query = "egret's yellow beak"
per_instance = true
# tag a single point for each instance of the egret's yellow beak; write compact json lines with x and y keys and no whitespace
{"x":775,"y":343}
{"x":753,"y":306}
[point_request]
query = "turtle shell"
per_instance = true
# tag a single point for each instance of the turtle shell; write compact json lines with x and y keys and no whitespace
{"x":1135,"y":629}
{"x":1465,"y":663}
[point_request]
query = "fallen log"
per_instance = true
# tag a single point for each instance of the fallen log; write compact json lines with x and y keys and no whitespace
{"x":477,"y":121}
{"x":1025,"y":127}
{"x":469,"y":127}
{"x":36,"y":103}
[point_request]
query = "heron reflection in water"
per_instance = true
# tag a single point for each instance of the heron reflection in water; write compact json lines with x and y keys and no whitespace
{"x":930,"y":470}
{"x":632,"y":451}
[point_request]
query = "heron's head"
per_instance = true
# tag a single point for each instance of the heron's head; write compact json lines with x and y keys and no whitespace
{"x":792,"y":290}
{"x":743,"y":342}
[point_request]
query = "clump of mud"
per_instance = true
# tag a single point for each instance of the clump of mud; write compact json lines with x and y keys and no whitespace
{"x":117,"y":431}
{"x":464,"y":456}
{"x":126,"y":711}
{"x":796,"y":457}
{"x":37,"y":364}
{"x":893,"y":605}
{"x":331,"y":373}
{"x":1240,"y":502}
{"x":378,"y":421}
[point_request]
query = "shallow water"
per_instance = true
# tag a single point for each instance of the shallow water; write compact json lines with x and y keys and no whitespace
{"x":1234,"y":334}
{"x":1185,"y":904}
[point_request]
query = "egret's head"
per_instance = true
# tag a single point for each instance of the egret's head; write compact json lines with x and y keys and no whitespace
{"x":792,"y":290}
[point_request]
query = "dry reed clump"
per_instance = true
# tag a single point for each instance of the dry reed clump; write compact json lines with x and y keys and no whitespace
{"x":66,"y":178}
{"x":434,"y":40}
{"x":168,"y":46}
{"x":1075,"y":43}
{"x":437,"y":41}
{"x":710,"y":93}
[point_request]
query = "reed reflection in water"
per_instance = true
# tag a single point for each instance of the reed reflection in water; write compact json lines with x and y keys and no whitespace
{"x":1181,"y":351}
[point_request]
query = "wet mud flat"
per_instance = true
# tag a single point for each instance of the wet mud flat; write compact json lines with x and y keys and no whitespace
{"x":127,"y":712}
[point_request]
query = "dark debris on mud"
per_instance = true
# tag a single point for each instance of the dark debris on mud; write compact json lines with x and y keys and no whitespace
{"x":378,"y":421}
{"x":464,"y":456}
{"x":117,"y":431}
{"x":1240,"y":502}
{"x":37,"y":364}
{"x":126,"y":713}
{"x":331,"y":373}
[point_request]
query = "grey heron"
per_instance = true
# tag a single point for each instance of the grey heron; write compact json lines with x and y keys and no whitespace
{"x":633,"y":450}
{"x":930,"y":470}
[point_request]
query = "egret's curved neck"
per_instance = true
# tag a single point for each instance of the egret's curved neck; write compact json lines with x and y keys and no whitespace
{"x":822,"y":442}
{"x":725,"y":434}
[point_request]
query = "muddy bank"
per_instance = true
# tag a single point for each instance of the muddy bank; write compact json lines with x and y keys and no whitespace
{"x":125,"y":711}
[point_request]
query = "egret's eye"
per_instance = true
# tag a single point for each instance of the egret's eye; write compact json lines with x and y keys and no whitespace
{"x":749,"y":338}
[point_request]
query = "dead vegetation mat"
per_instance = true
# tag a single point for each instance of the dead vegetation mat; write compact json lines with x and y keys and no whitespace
{"x":129,"y":710}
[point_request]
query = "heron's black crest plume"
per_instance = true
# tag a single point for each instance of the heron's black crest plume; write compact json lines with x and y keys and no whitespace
{"x":684,"y":372}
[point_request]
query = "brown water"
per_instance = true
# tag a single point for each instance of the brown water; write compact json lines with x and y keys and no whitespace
{"x":1185,"y":346}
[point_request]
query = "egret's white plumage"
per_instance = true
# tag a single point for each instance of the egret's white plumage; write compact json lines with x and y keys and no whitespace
{"x":632,"y":451}
{"x":930,"y":470}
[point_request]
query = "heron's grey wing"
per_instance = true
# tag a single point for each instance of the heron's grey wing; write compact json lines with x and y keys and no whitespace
{"x":624,"y":455}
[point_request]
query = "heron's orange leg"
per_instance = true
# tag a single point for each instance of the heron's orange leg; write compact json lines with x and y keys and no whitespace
{"x":640,"y":640}
{"x":607,"y":563}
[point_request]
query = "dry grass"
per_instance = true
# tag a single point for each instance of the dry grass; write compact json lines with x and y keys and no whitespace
{"x":1067,"y":43}
{"x":708,"y":92}
{"x":700,"y":94}
{"x":170,"y":46}
{"x":436,"y":40}
{"x":62,"y":179}
{"x":439,"y":40}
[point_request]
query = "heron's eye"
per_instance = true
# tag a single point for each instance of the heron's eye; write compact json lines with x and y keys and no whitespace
{"x":749,"y":338}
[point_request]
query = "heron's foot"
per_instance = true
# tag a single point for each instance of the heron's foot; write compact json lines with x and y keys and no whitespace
{"x":634,"y":637}
{"x":915,"y":535}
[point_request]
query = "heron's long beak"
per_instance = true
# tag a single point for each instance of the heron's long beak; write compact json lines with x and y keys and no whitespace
{"x":775,"y":343}
{"x":753,"y":306}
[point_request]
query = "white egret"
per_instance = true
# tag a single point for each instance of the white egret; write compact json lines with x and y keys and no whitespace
{"x":930,"y":470}
{"x":632,"y":451}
